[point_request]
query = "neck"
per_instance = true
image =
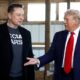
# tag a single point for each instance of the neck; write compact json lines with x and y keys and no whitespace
{"x":11,"y":25}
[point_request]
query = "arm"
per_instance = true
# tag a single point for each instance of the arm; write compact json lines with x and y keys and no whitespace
{"x":50,"y":55}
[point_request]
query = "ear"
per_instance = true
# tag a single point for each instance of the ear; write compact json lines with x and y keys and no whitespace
{"x":9,"y":15}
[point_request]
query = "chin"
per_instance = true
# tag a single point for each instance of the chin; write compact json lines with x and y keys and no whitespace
{"x":19,"y":24}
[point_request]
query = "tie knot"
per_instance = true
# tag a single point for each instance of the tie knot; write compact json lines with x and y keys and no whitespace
{"x":72,"y":33}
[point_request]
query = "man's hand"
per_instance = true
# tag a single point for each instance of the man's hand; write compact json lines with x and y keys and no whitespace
{"x":31,"y":61}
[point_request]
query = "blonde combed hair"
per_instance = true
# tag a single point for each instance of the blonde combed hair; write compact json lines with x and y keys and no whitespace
{"x":72,"y":12}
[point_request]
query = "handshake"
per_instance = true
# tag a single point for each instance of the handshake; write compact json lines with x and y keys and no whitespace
{"x":32,"y":61}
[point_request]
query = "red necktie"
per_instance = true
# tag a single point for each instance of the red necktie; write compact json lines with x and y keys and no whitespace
{"x":68,"y":54}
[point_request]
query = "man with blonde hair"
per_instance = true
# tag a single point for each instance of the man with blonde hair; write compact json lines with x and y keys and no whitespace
{"x":64,"y":50}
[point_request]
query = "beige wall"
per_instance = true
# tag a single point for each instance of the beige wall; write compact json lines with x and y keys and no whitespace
{"x":3,"y":8}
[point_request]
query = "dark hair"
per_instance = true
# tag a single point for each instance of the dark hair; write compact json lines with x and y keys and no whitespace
{"x":12,"y":6}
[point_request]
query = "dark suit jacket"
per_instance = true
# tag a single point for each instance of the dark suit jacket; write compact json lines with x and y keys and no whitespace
{"x":6,"y":53}
{"x":56,"y":52}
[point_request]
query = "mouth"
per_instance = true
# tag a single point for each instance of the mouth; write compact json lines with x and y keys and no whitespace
{"x":20,"y":21}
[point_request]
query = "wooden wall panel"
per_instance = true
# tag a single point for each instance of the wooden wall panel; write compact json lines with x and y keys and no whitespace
{"x":3,"y":10}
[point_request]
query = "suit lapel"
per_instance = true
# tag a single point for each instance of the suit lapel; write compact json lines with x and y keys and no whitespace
{"x":77,"y":52}
{"x":76,"y":62}
{"x":64,"y":42}
{"x":23,"y":34}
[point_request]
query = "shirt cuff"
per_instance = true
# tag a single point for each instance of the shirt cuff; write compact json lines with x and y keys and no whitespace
{"x":38,"y":64}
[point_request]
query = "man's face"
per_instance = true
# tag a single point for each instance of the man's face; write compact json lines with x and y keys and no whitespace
{"x":17,"y":16}
{"x":70,"y":23}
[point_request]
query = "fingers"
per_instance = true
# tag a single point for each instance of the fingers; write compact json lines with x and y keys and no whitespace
{"x":26,"y":64}
{"x":31,"y":61}
{"x":28,"y":58}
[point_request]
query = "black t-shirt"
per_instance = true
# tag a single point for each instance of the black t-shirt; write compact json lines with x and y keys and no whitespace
{"x":16,"y":40}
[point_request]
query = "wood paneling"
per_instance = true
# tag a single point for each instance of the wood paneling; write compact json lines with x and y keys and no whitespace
{"x":3,"y":10}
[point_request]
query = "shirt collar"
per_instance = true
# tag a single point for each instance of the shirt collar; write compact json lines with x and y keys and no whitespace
{"x":77,"y":31}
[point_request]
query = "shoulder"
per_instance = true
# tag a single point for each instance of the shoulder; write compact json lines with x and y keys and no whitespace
{"x":61,"y":32}
{"x":24,"y":31}
{"x":3,"y":26}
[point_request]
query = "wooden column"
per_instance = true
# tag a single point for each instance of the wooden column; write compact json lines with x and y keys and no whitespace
{"x":47,"y":31}
{"x":68,"y":4}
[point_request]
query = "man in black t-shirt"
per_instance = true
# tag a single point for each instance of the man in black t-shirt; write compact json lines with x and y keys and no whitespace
{"x":15,"y":46}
